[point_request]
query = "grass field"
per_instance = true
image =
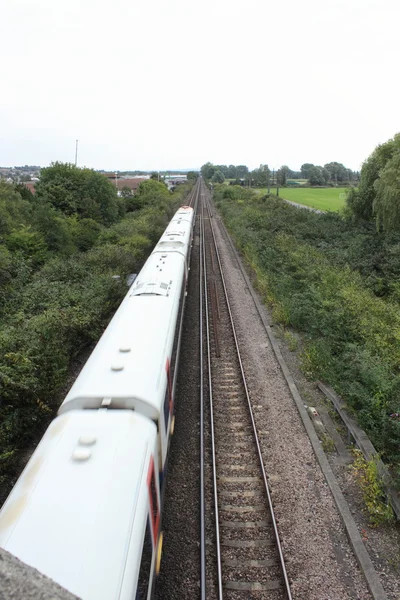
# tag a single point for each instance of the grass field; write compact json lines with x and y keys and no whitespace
{"x":322,"y":199}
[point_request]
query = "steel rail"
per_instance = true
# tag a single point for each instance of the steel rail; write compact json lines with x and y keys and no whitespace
{"x":214,"y":462}
{"x":202,"y":500}
{"x":194,"y":195}
{"x":191,"y":195}
{"x":273,"y":519}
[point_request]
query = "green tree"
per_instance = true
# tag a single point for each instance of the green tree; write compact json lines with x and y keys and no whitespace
{"x":338,"y":172}
{"x":5,"y":265}
{"x":387,"y":200}
{"x":361,"y":201}
{"x":24,"y":192}
{"x":316,"y":176}
{"x":241,"y":171}
{"x":149,"y":193}
{"x":223,"y":169}
{"x":208,"y":170}
{"x":231,"y":174}
{"x":83,"y":192}
{"x":282,"y":175}
{"x":218,"y":177}
{"x":14,"y":210}
{"x":29,"y":242}
{"x":86,"y":233}
{"x":260,"y":176}
{"x":325,"y":174}
{"x":57,"y":231}
{"x":305,"y":170}
{"x":192,"y":175}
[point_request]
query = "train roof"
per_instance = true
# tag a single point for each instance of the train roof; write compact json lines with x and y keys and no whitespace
{"x":81,"y":497}
{"x":184,"y":210}
{"x":128,"y":365}
{"x":177,"y":236}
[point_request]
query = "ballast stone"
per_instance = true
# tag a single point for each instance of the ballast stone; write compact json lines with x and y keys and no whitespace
{"x":18,"y":581}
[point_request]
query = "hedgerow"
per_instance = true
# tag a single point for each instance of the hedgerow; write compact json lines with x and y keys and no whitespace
{"x":333,"y":281}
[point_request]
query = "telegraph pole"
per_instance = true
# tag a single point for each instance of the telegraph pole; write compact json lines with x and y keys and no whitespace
{"x":76,"y":153}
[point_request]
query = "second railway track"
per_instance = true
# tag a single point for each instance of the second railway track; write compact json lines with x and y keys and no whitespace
{"x":245,"y":560}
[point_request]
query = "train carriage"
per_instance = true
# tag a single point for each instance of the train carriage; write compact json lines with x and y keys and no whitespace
{"x":86,"y":509}
{"x":133,"y":364}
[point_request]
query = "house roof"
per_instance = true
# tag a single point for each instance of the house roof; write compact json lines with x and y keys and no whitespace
{"x":132,"y":184}
{"x":30,"y":185}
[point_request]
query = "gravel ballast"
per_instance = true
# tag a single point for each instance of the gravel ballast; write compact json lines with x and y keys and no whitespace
{"x":180,"y":567}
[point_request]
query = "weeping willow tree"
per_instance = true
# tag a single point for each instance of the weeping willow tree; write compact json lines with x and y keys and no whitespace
{"x":363,"y":202}
{"x":387,"y":199}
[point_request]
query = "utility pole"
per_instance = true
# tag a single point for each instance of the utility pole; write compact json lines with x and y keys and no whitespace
{"x":269,"y":180}
{"x":76,"y":153}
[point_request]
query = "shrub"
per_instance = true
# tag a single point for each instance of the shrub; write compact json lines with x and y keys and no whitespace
{"x":316,"y":272}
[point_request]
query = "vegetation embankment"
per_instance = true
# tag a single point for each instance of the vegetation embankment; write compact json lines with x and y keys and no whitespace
{"x":336,"y":280}
{"x":60,"y":251}
{"x":326,"y":199}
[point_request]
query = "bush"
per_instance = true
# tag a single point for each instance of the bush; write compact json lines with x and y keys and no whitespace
{"x":86,"y":233}
{"x":316,"y":271}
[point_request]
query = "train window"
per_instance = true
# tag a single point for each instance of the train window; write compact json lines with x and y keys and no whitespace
{"x":178,"y":331}
{"x":166,"y":409}
{"x":145,"y":565}
{"x":154,"y":497}
{"x":168,"y":393}
{"x":153,"y":501}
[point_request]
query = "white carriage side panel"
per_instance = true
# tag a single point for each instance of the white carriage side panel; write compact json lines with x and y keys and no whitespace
{"x":82,"y":500}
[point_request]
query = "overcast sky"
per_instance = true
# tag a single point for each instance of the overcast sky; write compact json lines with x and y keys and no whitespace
{"x":158,"y":84}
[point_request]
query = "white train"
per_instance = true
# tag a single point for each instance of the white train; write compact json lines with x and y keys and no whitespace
{"x":86,"y":510}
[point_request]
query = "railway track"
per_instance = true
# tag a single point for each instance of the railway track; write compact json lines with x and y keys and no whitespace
{"x":245,"y":559}
{"x":238,"y":552}
{"x":193,"y":197}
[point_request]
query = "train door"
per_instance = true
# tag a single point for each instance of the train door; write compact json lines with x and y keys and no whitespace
{"x":152,"y":542}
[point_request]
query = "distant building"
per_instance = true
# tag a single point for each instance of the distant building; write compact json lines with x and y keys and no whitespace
{"x":30,"y":185}
{"x":180,"y":178}
{"x":124,"y":182}
{"x":132,"y":184}
{"x":174,"y":180}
